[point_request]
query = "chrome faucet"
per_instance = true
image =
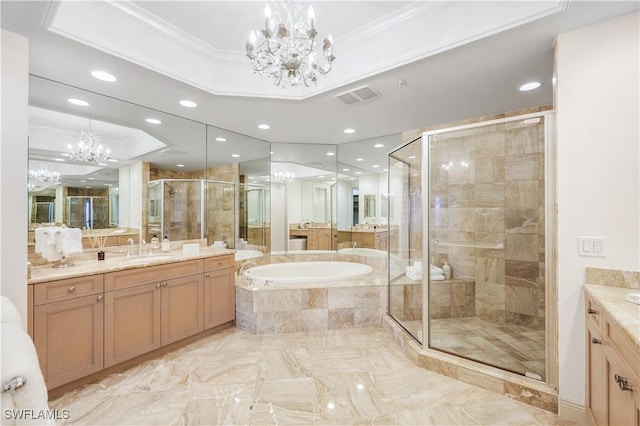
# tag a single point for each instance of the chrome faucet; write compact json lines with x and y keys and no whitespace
{"x":130,"y":241}
{"x":141,"y":247}
{"x":354,"y":244}
{"x":241,"y":269}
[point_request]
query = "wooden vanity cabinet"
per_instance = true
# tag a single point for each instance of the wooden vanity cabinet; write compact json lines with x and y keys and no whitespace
{"x":219,"y":291}
{"x":613,"y":368}
{"x":68,"y":328}
{"x":150,"y":307}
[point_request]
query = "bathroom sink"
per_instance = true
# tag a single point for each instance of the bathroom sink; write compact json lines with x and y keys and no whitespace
{"x":147,"y":259}
{"x":633,"y":298}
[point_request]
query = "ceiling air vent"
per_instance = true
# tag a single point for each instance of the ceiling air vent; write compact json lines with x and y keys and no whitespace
{"x":359,"y":94}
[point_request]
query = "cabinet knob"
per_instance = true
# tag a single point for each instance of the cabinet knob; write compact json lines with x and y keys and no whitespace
{"x":220,"y":262}
{"x":623,"y":382}
{"x":72,"y":289}
{"x":591,"y":311}
{"x":596,"y":341}
{"x":100,"y":297}
{"x":158,"y":285}
{"x":164,"y":284}
{"x":207,"y":275}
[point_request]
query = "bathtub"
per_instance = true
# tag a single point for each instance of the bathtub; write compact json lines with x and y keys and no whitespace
{"x":310,"y":296}
{"x":363,"y":251}
{"x":248,"y":254}
{"x":295,"y":273}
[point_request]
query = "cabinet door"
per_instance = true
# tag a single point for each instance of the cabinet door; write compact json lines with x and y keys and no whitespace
{"x":596,"y":379}
{"x":324,"y":239}
{"x":132,"y":322}
{"x":68,"y":338}
{"x":622,"y":410}
{"x":182,"y":308}
{"x":219,"y":297}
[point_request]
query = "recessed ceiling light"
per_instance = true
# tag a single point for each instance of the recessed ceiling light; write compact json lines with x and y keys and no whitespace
{"x":83,"y":180}
{"x":385,"y":170}
{"x":271,"y":152}
{"x":78,"y":102}
{"x":358,"y":173}
{"x":411,"y":157}
{"x":359,"y":159}
{"x":221,"y":139}
{"x":264,"y":126}
{"x":153,"y":121}
{"x":179,"y":165}
{"x":235,"y":155}
{"x":187,"y":103}
{"x":112,"y":160}
{"x":375,"y":166}
{"x":378,"y":145}
{"x":349,"y":131}
{"x":321,"y":177}
{"x":91,"y":178}
{"x":58,"y":159}
{"x":530,"y":86}
{"x":104,"y":76}
{"x":331,"y":153}
{"x":352,"y":178}
{"x":345,"y":170}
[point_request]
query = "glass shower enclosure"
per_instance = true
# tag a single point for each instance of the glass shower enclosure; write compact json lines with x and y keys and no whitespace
{"x":193,"y":209}
{"x":474,"y":198}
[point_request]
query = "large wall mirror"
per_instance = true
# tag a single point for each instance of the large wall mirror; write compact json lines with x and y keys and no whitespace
{"x":363,"y":197}
{"x":165,"y":175}
{"x":303,"y":196}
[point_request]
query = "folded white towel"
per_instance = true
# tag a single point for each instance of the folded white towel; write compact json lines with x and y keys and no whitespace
{"x":437,"y":277}
{"x":412,"y":270}
{"x":414,"y":277}
{"x":51,"y":253}
{"x":70,"y":241}
{"x":436,"y":271}
{"x":19,"y":359}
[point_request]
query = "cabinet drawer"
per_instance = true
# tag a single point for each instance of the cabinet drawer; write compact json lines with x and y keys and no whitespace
{"x":150,"y":274}
{"x":594,"y":313}
{"x":72,"y":288}
{"x":219,"y":262}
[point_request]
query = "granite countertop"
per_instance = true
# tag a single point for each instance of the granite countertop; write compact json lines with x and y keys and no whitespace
{"x":116,"y":262}
{"x":625,"y":314}
{"x":373,"y":231}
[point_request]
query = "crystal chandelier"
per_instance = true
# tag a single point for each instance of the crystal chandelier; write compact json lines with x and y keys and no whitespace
{"x":89,"y":149}
{"x":283,"y":177}
{"x":44,"y":174}
{"x":286,"y":47}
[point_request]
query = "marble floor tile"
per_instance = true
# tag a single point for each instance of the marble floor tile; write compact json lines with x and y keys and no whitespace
{"x":345,"y":377}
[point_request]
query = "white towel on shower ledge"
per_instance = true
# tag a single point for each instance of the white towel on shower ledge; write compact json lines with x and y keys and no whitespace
{"x":414,"y":277}
{"x":437,"y":277}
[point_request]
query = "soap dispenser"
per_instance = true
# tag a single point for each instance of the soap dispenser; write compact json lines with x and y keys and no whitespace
{"x":446,"y":270}
{"x":155,"y":241}
{"x":166,"y":244}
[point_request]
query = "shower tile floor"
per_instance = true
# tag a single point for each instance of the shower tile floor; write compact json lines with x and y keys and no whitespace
{"x":514,"y":347}
{"x":351,"y":376}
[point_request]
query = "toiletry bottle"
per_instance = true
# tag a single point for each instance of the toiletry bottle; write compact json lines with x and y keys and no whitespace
{"x":446,"y":270}
{"x":166,"y":244}
{"x":155,"y":242}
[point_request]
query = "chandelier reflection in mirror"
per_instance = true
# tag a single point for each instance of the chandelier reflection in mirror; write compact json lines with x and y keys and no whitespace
{"x":44,"y":174}
{"x":286,"y":47}
{"x":89,"y":149}
{"x":283,"y":177}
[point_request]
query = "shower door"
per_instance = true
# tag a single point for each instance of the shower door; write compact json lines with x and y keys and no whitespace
{"x":486,"y":221}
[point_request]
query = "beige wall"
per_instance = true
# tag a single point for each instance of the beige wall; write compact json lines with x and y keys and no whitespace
{"x":598,"y":184}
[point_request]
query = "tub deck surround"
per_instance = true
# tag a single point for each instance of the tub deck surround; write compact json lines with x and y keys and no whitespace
{"x":515,"y":386}
{"x":347,"y":377}
{"x":115,"y":262}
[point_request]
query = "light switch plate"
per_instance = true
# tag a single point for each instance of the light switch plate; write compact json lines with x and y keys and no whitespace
{"x":591,"y":246}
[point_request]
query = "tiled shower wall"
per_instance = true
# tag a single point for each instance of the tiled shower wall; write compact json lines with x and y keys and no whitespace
{"x":487,"y":190}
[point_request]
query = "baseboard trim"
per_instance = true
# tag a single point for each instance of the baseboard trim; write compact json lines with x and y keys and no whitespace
{"x":573,"y":412}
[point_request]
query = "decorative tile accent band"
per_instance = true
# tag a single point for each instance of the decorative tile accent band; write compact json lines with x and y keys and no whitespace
{"x":613,"y":278}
